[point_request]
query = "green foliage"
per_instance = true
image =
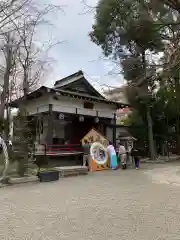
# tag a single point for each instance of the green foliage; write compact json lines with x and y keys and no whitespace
{"x":175,"y":5}
{"x":138,"y":126}
{"x":130,"y":32}
{"x":164,"y":116}
{"x":133,"y":69}
{"x":125,"y":26}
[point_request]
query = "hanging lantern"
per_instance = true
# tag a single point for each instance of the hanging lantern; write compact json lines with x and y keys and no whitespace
{"x":61,"y":116}
{"x":81,"y":118}
{"x":96,"y":120}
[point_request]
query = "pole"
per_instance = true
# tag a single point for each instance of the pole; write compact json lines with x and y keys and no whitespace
{"x":114,"y":130}
{"x":49,"y":136}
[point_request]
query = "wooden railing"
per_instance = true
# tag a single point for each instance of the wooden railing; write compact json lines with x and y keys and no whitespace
{"x":64,"y":148}
{"x":46,"y":149}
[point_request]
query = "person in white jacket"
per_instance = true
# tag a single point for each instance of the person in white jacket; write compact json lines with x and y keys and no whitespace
{"x":122,"y":154}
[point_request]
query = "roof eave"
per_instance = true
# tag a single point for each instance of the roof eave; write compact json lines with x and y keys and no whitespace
{"x":33,"y":95}
{"x":44,"y":90}
{"x":90,"y":98}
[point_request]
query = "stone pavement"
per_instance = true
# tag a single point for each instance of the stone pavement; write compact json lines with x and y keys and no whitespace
{"x":122,"y":205}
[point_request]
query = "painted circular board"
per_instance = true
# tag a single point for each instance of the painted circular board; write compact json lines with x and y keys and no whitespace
{"x":99,"y":153}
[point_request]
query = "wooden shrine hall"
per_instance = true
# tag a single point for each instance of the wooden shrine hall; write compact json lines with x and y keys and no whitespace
{"x":66,"y":112}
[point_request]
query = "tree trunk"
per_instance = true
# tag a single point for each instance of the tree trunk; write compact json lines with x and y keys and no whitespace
{"x":23,"y":162}
{"x":150,"y":135}
{"x":5,"y":93}
{"x":7,"y":124}
{"x":177,"y":92}
{"x":149,"y":119}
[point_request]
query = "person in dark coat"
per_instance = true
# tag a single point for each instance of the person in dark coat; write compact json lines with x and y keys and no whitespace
{"x":136,"y":154}
{"x":86,"y":150}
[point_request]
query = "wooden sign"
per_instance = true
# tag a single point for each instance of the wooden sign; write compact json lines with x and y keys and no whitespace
{"x":94,"y":136}
{"x":99,"y":158}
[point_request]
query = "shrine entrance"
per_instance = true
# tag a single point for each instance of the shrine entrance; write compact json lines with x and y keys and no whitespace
{"x":80,"y":126}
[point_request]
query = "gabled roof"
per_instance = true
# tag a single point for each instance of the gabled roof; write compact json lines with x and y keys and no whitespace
{"x":77,"y":83}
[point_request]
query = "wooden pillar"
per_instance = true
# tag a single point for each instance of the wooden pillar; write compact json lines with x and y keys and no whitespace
{"x":49,"y":136}
{"x":114,"y":130}
{"x":39,"y":127}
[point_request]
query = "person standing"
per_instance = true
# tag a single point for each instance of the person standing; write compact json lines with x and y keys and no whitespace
{"x":129,"y":148}
{"x":86,"y":151}
{"x":113,"y":156}
{"x":135,"y":153}
{"x":122,"y":155}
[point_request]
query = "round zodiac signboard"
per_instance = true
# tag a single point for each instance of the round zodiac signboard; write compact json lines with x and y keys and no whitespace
{"x":99,"y":153}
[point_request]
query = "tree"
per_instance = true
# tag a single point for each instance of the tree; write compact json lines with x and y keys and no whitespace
{"x":171,"y":62}
{"x":31,"y":63}
{"x":31,"y":58}
{"x":175,"y":5}
{"x":9,"y":50}
{"x":132,"y":34}
{"x":11,"y":10}
{"x":25,"y":61}
{"x":126,"y":31}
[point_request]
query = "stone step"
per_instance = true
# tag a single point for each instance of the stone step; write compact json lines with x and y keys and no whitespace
{"x":71,"y":171}
{"x":13,"y":180}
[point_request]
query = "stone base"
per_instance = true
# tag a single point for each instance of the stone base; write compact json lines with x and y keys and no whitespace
{"x":23,"y":180}
{"x":48,"y":176}
{"x":4,"y":180}
{"x":2,"y":185}
{"x":72,"y":171}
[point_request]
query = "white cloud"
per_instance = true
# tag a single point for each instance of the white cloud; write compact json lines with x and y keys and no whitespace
{"x":77,"y":52}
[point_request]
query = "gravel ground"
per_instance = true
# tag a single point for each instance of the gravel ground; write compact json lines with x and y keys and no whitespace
{"x":122,"y":205}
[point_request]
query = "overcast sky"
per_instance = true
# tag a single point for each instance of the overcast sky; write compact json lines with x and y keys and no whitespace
{"x":78,"y":52}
